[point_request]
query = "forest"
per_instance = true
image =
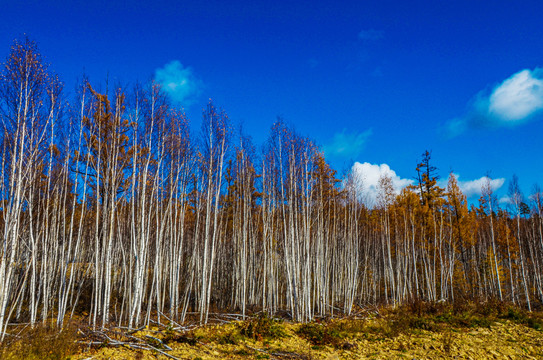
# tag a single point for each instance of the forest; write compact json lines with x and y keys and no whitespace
{"x":111,"y":210}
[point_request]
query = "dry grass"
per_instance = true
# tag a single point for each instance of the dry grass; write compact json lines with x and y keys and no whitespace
{"x":419,"y":329}
{"x":42,"y":343}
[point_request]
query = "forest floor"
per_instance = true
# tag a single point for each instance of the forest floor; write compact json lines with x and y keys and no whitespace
{"x":425,"y":331}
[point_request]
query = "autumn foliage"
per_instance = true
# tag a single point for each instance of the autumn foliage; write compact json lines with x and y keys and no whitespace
{"x":112,"y":211}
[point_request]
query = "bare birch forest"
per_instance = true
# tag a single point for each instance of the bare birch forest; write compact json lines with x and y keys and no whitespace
{"x":112,"y":211}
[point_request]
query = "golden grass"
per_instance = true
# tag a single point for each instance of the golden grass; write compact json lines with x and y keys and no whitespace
{"x":423,"y":330}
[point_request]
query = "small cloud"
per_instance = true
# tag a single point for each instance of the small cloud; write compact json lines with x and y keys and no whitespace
{"x":367,"y":179}
{"x":456,"y":126}
{"x":179,"y":82}
{"x":370,"y":34}
{"x":505,"y":200}
{"x":472,"y":188}
{"x":347,"y":145}
{"x":513,"y":102}
{"x":518,"y":97}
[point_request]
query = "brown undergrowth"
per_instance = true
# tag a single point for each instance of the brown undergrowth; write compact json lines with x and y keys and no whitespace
{"x":41,"y":342}
{"x":429,"y":329}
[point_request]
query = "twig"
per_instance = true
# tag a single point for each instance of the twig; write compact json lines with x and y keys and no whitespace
{"x":159,"y":341}
{"x":157,"y":350}
{"x":135,"y":343}
{"x":178,"y":326}
{"x":130,"y":332}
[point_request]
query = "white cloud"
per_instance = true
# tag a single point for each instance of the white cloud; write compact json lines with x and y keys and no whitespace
{"x":518,"y":97}
{"x":367,"y":179}
{"x":370,"y":34}
{"x":179,"y":82}
{"x":505,"y":200}
{"x":516,"y":100}
{"x":347,"y":145}
{"x":473,"y":187}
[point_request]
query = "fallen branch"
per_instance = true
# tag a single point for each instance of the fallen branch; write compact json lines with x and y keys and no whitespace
{"x":135,"y":342}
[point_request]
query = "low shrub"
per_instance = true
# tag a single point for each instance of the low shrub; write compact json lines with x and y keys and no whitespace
{"x":533,"y":320}
{"x":42,"y":343}
{"x":320,"y":334}
{"x":348,"y":327}
{"x":262,"y":327}
{"x":229,"y":338}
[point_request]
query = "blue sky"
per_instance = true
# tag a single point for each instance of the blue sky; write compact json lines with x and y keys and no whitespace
{"x":371,"y":82}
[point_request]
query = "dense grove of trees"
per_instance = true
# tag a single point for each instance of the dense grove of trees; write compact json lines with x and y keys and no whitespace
{"x":111,"y":211}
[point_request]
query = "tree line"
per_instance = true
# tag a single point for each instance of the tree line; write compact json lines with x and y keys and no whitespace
{"x":111,"y":211}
